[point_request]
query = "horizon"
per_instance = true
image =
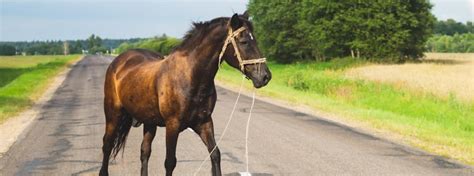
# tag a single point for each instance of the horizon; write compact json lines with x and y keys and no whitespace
{"x":55,"y":20}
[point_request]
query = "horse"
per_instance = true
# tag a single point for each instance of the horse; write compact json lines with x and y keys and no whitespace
{"x":177,"y":91}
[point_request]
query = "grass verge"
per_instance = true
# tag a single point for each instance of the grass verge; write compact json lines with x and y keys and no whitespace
{"x":444,"y":126}
{"x":24,"y":78}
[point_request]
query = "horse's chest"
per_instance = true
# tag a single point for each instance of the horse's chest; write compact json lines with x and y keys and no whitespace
{"x":203,"y":104}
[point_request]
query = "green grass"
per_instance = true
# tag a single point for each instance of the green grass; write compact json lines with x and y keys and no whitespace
{"x":444,"y":126}
{"x":24,"y":78}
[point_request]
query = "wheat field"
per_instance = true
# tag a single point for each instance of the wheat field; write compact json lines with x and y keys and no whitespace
{"x":442,"y":74}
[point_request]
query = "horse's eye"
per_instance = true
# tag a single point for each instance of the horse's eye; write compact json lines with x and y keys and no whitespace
{"x":244,"y":42}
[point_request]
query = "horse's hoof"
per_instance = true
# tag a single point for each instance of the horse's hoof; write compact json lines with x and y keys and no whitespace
{"x":103,"y":173}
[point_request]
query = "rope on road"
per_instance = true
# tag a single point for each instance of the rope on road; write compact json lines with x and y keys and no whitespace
{"x":225,"y":128}
{"x":247,"y":132}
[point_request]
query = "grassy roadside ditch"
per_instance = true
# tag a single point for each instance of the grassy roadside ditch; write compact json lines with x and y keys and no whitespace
{"x":441,"y":125}
{"x":24,"y":78}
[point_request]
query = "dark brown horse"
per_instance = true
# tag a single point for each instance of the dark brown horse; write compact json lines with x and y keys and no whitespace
{"x":177,"y":91}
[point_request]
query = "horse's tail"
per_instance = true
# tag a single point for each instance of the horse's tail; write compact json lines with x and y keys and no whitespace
{"x":115,"y":114}
{"x":123,"y":127}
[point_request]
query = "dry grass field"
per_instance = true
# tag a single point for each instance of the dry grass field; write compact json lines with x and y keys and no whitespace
{"x":443,"y":74}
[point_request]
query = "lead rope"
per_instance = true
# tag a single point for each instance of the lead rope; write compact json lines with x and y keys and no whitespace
{"x":247,"y":127}
{"x":225,"y":128}
{"x":247,"y":133}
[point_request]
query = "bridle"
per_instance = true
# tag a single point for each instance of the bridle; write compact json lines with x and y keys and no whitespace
{"x":231,"y":38}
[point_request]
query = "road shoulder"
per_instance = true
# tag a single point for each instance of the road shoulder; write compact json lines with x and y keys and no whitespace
{"x":14,"y":128}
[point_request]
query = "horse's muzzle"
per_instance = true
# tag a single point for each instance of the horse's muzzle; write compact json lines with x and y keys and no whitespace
{"x":263,"y":80}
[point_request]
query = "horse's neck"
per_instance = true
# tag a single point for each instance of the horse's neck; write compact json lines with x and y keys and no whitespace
{"x":204,"y":59}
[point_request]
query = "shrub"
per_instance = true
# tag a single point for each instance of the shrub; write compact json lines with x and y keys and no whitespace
{"x":163,"y":45}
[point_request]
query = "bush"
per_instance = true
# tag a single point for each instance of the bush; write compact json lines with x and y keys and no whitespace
{"x":163,"y":45}
{"x":298,"y":81}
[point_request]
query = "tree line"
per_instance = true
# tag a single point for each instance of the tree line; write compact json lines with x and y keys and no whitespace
{"x":452,"y":36}
{"x":457,"y":43}
{"x":33,"y":48}
{"x":451,"y":27}
{"x":93,"y":44}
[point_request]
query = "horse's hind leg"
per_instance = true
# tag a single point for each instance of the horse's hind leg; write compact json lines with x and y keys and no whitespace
{"x":206,"y":132}
{"x":149,"y":131}
{"x":111,"y":125}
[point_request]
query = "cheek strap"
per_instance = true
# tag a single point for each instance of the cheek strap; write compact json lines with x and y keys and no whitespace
{"x":231,"y":39}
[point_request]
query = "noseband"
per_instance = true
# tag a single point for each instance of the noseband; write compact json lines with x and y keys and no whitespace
{"x":231,"y":38}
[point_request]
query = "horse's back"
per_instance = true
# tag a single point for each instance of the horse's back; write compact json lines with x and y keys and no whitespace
{"x":132,"y":59}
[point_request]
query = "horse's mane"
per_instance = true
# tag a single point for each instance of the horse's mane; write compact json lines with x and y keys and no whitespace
{"x":199,"y":31}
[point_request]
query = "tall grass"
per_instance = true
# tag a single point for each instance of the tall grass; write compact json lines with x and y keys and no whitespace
{"x":443,"y":74}
{"x":24,"y":78}
{"x":441,"y":125}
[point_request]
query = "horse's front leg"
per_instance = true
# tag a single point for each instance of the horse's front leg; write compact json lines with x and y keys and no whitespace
{"x":172,"y":132}
{"x":206,"y":131}
{"x":149,"y":131}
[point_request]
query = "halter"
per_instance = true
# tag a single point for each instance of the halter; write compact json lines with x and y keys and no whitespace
{"x":231,"y":38}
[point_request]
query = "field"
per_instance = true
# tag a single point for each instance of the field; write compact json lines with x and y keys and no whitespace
{"x":435,"y":118}
{"x":24,"y":78}
{"x":441,"y":74}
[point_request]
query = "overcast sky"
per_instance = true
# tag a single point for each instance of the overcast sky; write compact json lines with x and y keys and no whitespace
{"x":66,"y":19}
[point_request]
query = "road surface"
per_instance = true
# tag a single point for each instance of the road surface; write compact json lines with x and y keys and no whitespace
{"x":67,"y":137}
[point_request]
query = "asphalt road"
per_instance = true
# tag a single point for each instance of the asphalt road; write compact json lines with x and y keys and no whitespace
{"x":66,"y":140}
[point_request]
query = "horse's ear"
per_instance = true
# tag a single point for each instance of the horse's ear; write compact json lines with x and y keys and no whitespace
{"x":235,"y":22}
{"x":245,"y":15}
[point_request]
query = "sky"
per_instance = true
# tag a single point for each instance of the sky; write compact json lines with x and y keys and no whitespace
{"x":27,"y":20}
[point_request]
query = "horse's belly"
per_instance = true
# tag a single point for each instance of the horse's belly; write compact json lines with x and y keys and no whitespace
{"x":143,"y":112}
{"x":141,"y":104}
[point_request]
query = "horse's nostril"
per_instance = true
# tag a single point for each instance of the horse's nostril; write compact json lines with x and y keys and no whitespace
{"x":266,"y":78}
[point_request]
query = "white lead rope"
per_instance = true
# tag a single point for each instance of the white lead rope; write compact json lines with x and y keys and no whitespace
{"x":225,"y":128}
{"x":247,"y":133}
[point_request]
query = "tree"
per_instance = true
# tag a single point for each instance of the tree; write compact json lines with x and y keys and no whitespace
{"x":76,"y":47}
{"x":7,"y":50}
{"x":275,"y":23}
{"x":451,"y":27}
{"x":94,"y":44}
{"x":318,"y":29}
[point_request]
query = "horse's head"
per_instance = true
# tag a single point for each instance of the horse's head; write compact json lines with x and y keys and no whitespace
{"x":243,"y":52}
